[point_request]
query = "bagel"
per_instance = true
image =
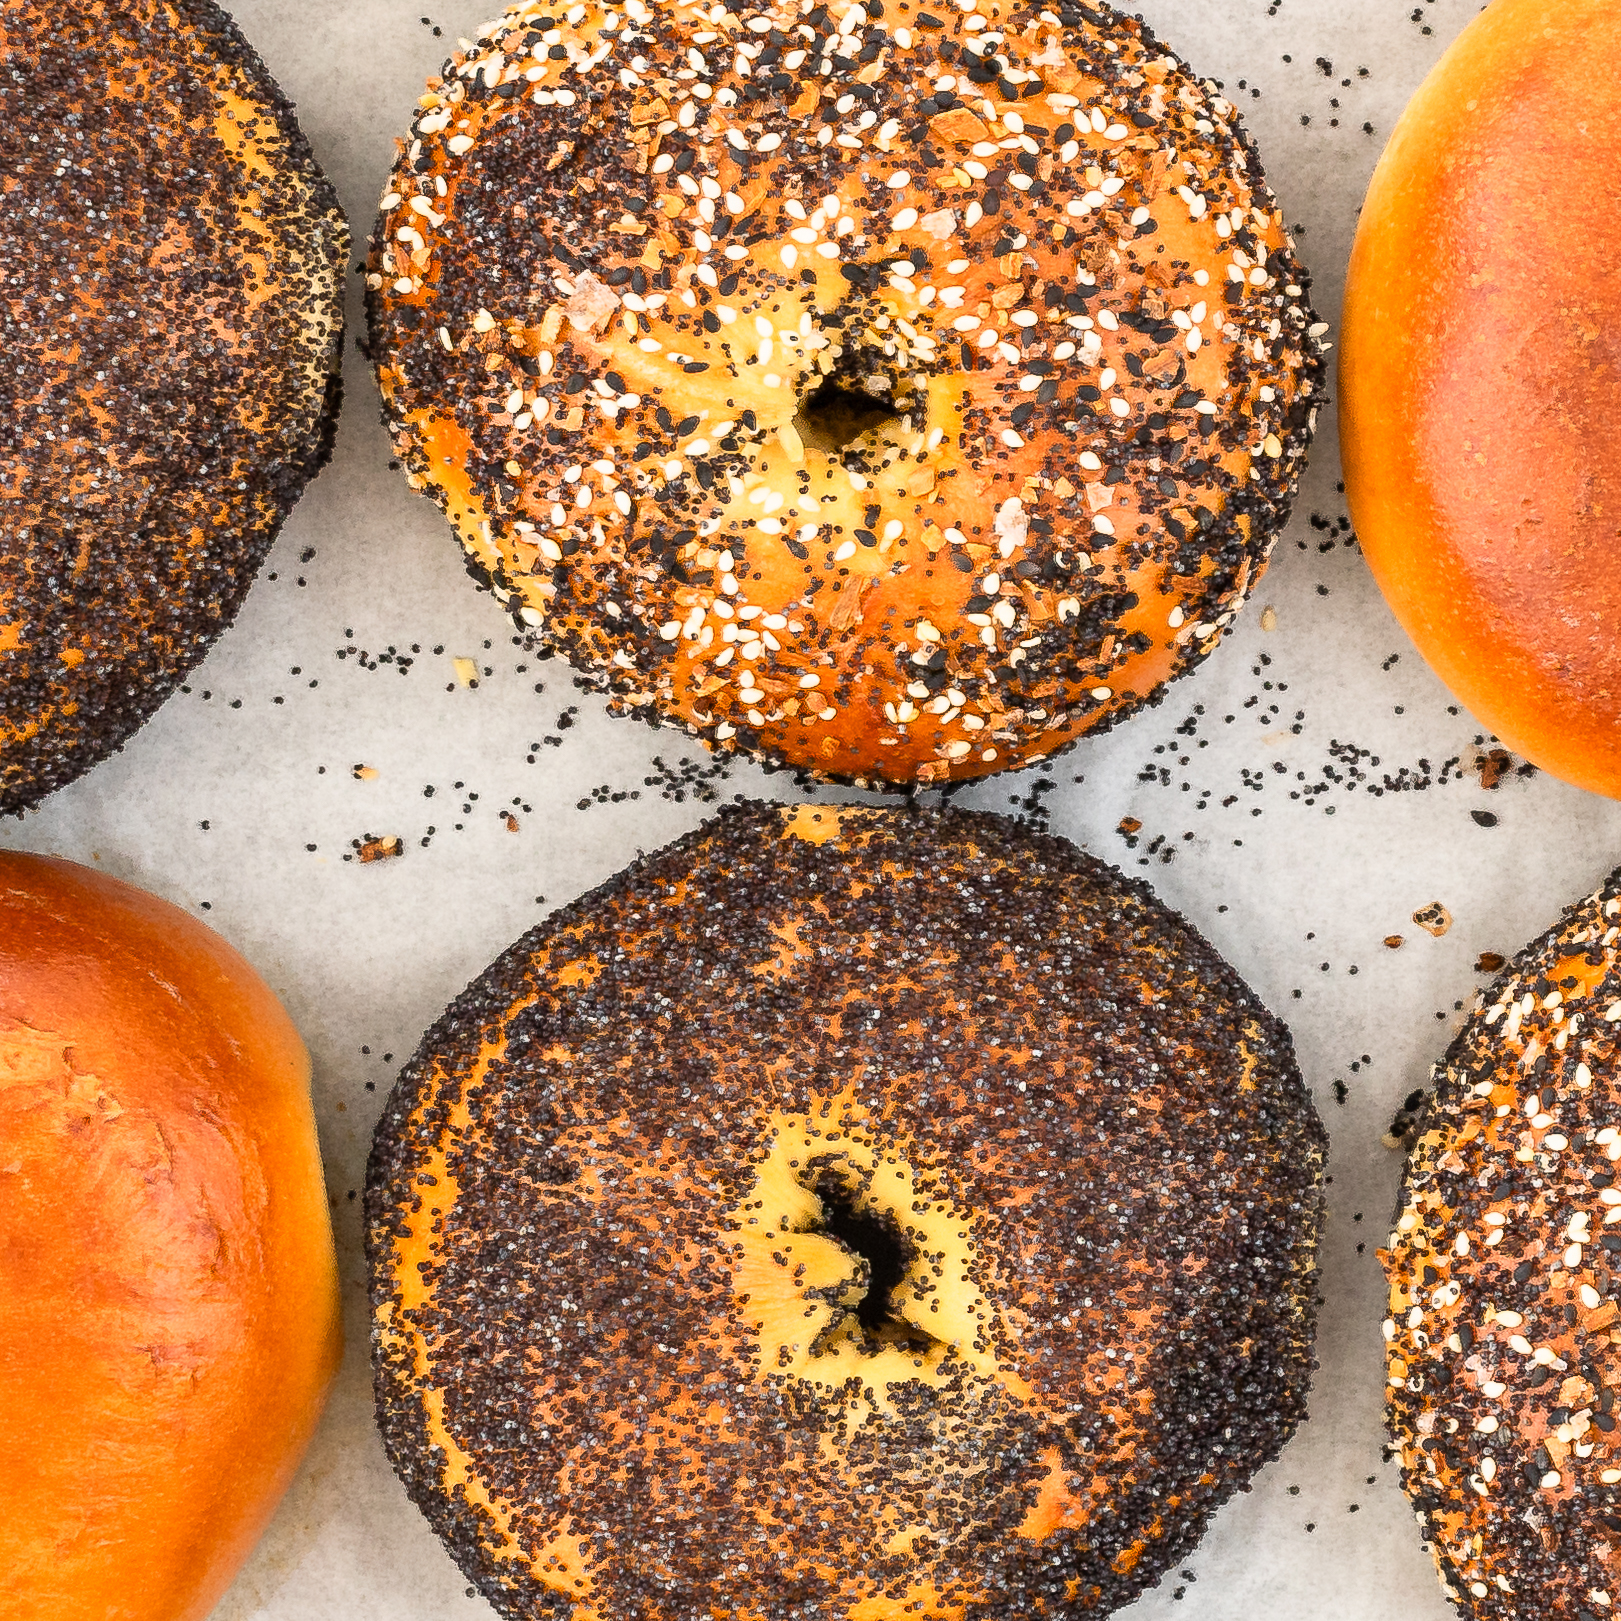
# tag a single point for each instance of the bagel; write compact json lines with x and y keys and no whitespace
{"x":1504,"y":1351}
{"x":1479,"y":380}
{"x":850,"y":1213}
{"x":882,"y":394}
{"x":170,"y":1328}
{"x":173,"y":328}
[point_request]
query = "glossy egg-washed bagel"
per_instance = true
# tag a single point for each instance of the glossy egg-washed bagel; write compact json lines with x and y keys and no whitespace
{"x":849,"y":1213}
{"x":168,"y":1289}
{"x":171,"y":326}
{"x":889,"y":394}
{"x":1480,"y":379}
{"x":1505,"y":1288}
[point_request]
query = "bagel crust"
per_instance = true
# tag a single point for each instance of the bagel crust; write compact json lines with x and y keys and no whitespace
{"x":891,"y":395}
{"x":172,"y":328}
{"x":850,"y":1213}
{"x":1504,"y":1350}
{"x":1480,"y":376}
{"x":171,"y":1322}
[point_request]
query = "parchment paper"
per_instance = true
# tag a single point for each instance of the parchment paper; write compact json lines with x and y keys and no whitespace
{"x":1299,"y":797}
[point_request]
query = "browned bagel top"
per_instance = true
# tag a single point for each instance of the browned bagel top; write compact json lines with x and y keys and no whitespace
{"x":892,"y":394}
{"x":850,"y":1213}
{"x":170,"y":317}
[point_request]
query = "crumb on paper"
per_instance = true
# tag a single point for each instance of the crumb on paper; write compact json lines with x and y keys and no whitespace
{"x":373,"y":848}
{"x":1404,"y":1127}
{"x":1269,"y":617}
{"x":363,"y":773}
{"x":466,"y":671}
{"x":1493,"y":767}
{"x":1434,"y":919}
{"x":1395,"y":941}
{"x":1489,"y":962}
{"x":1129,"y":825}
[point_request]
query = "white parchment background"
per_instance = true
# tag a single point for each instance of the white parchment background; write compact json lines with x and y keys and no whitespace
{"x":239,"y":802}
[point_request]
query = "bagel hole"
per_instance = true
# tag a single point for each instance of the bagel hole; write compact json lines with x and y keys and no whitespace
{"x":834,"y":418}
{"x":876,"y":1237}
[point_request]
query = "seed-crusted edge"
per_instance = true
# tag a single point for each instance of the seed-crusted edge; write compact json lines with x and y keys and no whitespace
{"x":81,"y":728}
{"x":1503,"y":1356}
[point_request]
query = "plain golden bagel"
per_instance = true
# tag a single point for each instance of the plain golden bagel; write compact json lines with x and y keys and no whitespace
{"x":172,"y":331}
{"x":1480,"y":380}
{"x":891,"y":395}
{"x":170,"y":1322}
{"x":1504,"y":1332}
{"x":859,"y":1214}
